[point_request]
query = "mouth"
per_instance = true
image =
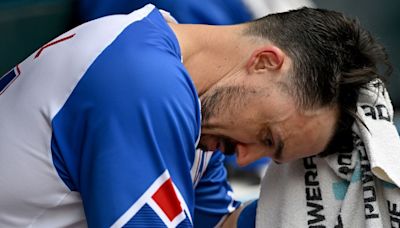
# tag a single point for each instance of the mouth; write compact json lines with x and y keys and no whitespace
{"x":211,"y":143}
{"x":229,"y":146}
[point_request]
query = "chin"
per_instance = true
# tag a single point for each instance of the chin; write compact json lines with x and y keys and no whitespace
{"x":277,"y":162}
{"x":242,"y":164}
{"x":282,"y":160}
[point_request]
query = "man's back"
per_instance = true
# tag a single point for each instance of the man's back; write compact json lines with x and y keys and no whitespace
{"x":67,"y":114}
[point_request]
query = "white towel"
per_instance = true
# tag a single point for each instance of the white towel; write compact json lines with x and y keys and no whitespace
{"x":355,"y":189}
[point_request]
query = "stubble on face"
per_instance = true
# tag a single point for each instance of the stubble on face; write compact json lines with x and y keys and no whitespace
{"x":221,"y":103}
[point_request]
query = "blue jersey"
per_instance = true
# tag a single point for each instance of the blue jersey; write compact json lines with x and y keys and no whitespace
{"x":213,"y":12}
{"x":99,"y":127}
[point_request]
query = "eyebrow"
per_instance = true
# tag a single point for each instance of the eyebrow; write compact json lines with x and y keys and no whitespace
{"x":210,"y":126}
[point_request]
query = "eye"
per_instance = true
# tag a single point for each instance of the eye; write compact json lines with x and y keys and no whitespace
{"x":268,"y":142}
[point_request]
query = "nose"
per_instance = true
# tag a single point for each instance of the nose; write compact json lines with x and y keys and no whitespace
{"x":247,"y":153}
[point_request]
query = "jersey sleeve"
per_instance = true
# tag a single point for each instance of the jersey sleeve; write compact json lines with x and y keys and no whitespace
{"x":213,"y":194}
{"x":125,"y":138}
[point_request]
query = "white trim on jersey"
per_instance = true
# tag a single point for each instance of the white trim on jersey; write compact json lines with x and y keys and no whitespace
{"x":170,"y":224}
{"x":206,"y":160}
{"x":231,"y":208}
{"x":196,"y":165}
{"x":141,"y":201}
{"x":184,"y":205}
{"x":146,"y":198}
{"x":200,"y":163}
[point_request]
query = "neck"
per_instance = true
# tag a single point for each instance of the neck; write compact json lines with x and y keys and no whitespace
{"x":209,"y":52}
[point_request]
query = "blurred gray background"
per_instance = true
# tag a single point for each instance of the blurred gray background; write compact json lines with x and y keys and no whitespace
{"x":26,"y":25}
{"x":382,"y":19}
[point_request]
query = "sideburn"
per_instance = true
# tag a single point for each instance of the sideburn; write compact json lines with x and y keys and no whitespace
{"x":223,"y":99}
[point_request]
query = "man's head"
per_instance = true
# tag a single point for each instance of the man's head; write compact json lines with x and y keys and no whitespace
{"x":296,"y":95}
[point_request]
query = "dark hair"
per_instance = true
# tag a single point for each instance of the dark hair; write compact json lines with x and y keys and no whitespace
{"x":333,"y":57}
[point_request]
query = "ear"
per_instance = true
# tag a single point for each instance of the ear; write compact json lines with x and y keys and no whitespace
{"x":265,"y":59}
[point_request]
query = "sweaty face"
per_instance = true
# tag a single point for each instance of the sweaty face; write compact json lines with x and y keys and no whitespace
{"x":255,"y":120}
